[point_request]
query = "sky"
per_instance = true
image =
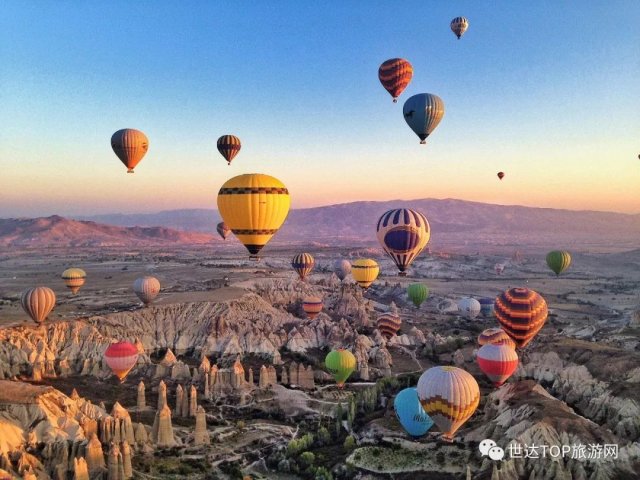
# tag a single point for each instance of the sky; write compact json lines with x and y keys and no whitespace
{"x":547,"y":92}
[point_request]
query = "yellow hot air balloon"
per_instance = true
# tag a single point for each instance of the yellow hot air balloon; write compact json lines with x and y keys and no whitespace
{"x":74,"y":279}
{"x":130,"y":145}
{"x":38,"y":302}
{"x":254,"y":206}
{"x":450,"y":396}
{"x":365,"y":271}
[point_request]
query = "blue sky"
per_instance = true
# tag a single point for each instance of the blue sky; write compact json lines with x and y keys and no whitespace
{"x":547,"y":92}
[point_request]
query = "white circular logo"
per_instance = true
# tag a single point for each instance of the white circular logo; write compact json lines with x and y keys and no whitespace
{"x":485,"y":446}
{"x":496,"y":453}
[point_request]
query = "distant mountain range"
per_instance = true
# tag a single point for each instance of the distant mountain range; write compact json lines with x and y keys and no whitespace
{"x":56,"y":231}
{"x":455,"y":224}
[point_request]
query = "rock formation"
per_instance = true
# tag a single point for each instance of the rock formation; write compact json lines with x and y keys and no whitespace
{"x":201,"y":435}
{"x":162,"y":433}
{"x":80,"y":469}
{"x":94,"y":456}
{"x":162,"y":395}
{"x":179,"y":398}
{"x":125,"y":450}
{"x":141,"y":402}
{"x":193,"y":401}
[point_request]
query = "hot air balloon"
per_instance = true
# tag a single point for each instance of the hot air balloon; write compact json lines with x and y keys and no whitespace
{"x":365,"y":271}
{"x":130,"y":146}
{"x":389,"y":323}
{"x":312,"y":306}
{"x":403,"y":233}
{"x":254,"y":206}
{"x":38,"y":303}
{"x":410,"y":413}
{"x":495,"y":336}
{"x":121,"y":358}
{"x":418,"y":293}
{"x":303,"y":263}
{"x":499,"y":268}
{"x":486,"y":306}
{"x":521,"y":313}
{"x":395,"y":74}
{"x":74,"y":279}
{"x":340,"y":363}
{"x":229,"y":146}
{"x":146,"y":288}
{"x":423,"y":113}
{"x":498,"y":362}
{"x":500,"y":175}
{"x":469,"y":307}
{"x":342,"y":268}
{"x":223,"y":230}
{"x":558,"y":261}
{"x":450,"y":396}
{"x":459,"y":25}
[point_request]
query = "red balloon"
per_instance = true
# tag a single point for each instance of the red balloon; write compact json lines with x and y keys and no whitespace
{"x":500,"y":175}
{"x":121,"y":358}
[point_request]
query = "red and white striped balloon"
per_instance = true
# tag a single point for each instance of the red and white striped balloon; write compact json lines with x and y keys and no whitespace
{"x":121,"y":358}
{"x":498,"y":362}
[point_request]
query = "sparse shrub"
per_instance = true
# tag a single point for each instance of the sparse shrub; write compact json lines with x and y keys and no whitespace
{"x":306,"y":459}
{"x":322,"y":473}
{"x":349,"y":443}
{"x":440,"y":457}
{"x":324,"y":437}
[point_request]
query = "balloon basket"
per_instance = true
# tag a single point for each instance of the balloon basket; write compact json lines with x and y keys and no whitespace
{"x":423,"y":142}
{"x":402,"y":274}
{"x":130,"y":171}
{"x":395,"y":100}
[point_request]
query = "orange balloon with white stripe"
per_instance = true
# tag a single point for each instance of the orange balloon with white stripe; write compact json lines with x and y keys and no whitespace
{"x":312,"y":306}
{"x":498,"y":362}
{"x":389,"y":324}
{"x":450,"y":396}
{"x":495,"y":336}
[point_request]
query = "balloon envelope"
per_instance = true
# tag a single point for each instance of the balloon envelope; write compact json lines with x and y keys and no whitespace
{"x":130,"y":145}
{"x":74,"y":278}
{"x":342,"y":268}
{"x":303,"y":263}
{"x":228,"y":146}
{"x":403,"y":233}
{"x":121,"y":358}
{"x":558,"y":261}
{"x":469,"y":307}
{"x":254,"y":206}
{"x":312,"y":306}
{"x":365,"y":271}
{"x":498,"y":362}
{"x":418,"y":293}
{"x":340,"y":363}
{"x":394,"y":75}
{"x":459,"y":25}
{"x":423,"y":113}
{"x":521,"y":313}
{"x":38,"y":302}
{"x":450,"y":396}
{"x":410,"y":413}
{"x":146,"y":288}
{"x":496,"y":336}
{"x":500,"y":175}
{"x":389,"y":324}
{"x":223,"y":230}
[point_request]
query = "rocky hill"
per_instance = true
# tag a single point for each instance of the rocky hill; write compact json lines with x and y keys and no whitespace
{"x":56,"y":231}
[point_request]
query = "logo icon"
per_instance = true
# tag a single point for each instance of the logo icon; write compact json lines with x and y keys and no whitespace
{"x":489,"y":448}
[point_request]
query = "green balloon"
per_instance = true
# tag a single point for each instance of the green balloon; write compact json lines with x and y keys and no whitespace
{"x":340,"y":363}
{"x":558,"y":261}
{"x":418,"y":293}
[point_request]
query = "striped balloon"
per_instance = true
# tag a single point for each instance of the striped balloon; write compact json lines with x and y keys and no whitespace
{"x":486,"y":306}
{"x":423,"y":113}
{"x":459,"y":25}
{"x":74,"y":278}
{"x":121,"y":358}
{"x":312,"y":306}
{"x":403,"y":233}
{"x":147,"y":289}
{"x":130,"y":145}
{"x":521,"y":313}
{"x":389,"y":324}
{"x":365,"y":271}
{"x":498,"y":362}
{"x":254,"y":206}
{"x":558,"y":261}
{"x":223,"y":230}
{"x":303,"y":263}
{"x":395,"y":74}
{"x":38,"y":302}
{"x":495,"y":336}
{"x":450,"y":396}
{"x":229,"y":146}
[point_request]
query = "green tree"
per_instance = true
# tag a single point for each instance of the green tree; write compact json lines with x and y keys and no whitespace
{"x":306,"y":459}
{"x":323,"y":474}
{"x":324,"y":437}
{"x":349,"y":443}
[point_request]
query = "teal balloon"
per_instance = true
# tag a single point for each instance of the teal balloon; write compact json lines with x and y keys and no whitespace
{"x":423,"y":113}
{"x":410,"y":413}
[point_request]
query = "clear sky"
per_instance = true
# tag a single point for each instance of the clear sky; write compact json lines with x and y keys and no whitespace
{"x":547,"y":91}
